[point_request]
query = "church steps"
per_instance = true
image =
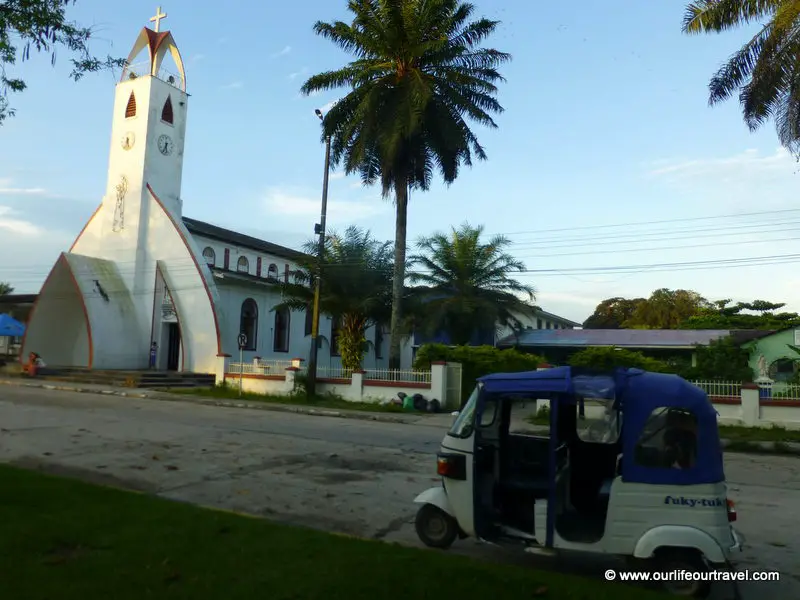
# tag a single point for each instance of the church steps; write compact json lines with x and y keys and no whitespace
{"x":139,"y":379}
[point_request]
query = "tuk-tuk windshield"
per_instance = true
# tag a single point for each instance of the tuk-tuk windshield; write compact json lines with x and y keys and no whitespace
{"x":465,"y":423}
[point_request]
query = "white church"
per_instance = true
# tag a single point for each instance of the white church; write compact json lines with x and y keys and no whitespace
{"x":140,"y":272}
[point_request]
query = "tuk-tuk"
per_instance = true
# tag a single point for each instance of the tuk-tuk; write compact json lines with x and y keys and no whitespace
{"x":647,"y":483}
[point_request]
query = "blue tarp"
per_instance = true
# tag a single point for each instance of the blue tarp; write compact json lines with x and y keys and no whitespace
{"x":10,"y":327}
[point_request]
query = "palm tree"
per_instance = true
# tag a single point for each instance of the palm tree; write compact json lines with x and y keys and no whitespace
{"x":356,"y":287}
{"x":765,"y":70}
{"x":5,"y":288}
{"x":418,"y":75}
{"x":467,"y":284}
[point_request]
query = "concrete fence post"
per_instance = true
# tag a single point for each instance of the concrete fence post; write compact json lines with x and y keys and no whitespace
{"x":223,"y":360}
{"x":751,"y":405}
{"x":357,"y":385}
{"x":439,"y":384}
{"x":289,"y":379}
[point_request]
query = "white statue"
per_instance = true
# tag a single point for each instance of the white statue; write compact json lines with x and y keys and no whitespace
{"x":762,"y":368}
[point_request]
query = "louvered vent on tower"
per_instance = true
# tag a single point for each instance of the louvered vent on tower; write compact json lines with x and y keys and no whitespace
{"x":130,"y":109}
{"x":166,"y":112}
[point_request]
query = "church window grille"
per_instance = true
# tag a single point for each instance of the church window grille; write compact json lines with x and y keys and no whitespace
{"x":130,"y":109}
{"x":248,"y":323}
{"x":258,"y":267}
{"x":210,"y":256}
{"x":272,"y":272}
{"x":243,"y":265}
{"x":227,"y":263}
{"x":166,"y":112}
{"x":309,"y":319}
{"x":335,"y":327}
{"x":286,"y":273}
{"x":282,"y":322}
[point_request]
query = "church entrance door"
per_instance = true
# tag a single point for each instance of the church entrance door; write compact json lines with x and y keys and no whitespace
{"x":173,"y":347}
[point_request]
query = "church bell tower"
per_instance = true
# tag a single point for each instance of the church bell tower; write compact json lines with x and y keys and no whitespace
{"x":148,"y":132}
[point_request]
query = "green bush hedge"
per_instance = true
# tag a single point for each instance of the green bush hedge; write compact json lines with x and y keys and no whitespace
{"x":477,"y":361}
{"x":610,"y":358}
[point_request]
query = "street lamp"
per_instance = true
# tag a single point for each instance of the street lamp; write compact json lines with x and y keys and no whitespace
{"x":319,"y":229}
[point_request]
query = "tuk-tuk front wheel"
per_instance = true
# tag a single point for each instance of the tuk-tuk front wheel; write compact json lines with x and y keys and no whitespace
{"x":435,"y":527}
{"x":672,"y":560}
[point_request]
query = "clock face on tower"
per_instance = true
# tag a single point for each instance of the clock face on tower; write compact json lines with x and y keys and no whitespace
{"x":165,"y":145}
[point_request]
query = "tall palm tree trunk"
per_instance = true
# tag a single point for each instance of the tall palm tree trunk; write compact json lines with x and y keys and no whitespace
{"x":398,"y":283}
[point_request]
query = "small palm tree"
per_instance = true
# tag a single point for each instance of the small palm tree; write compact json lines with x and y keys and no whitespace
{"x":765,"y":70}
{"x":418,"y":75}
{"x":356,"y":287}
{"x":5,"y":288}
{"x":467,"y":285}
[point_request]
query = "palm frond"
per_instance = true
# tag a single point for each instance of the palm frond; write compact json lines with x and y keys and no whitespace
{"x":706,"y":16}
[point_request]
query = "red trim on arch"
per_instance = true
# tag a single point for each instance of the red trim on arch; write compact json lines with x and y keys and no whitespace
{"x":63,"y":259}
{"x":89,"y":222}
{"x":196,"y":264}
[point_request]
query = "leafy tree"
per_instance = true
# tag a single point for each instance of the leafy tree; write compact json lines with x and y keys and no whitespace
{"x":721,"y":359}
{"x":667,"y":309}
{"x":606,"y":359}
{"x":467,"y":284}
{"x":41,"y":25}
{"x":724,"y":315}
{"x":612,"y":313}
{"x":764,"y":71}
{"x":356,"y":287}
{"x":418,"y":75}
{"x":5,"y":288}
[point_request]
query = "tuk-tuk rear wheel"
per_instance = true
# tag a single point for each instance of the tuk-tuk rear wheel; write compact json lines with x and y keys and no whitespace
{"x":435,"y":527}
{"x":678,"y":559}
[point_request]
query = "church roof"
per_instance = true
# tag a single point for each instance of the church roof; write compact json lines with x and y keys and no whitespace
{"x":220,"y":234}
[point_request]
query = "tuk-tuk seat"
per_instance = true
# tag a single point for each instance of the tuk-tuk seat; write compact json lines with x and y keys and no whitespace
{"x":536,"y":487}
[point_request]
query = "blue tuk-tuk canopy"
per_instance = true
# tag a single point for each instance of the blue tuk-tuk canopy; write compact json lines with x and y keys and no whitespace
{"x":639,"y":394}
{"x":10,"y":327}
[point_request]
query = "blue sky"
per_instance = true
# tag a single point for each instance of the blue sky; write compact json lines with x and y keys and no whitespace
{"x":606,"y":125}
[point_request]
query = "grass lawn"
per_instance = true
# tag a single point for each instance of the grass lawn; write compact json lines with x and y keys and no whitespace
{"x":758,"y":434}
{"x":67,"y":540}
{"x":232,"y":393}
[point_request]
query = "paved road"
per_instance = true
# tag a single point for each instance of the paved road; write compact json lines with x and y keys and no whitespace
{"x":345,"y":475}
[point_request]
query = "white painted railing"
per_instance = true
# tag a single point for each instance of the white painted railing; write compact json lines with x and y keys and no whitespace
{"x":337,"y":372}
{"x":262,"y":367}
{"x":779,"y":390}
{"x":720,"y":388}
{"x":405,"y":376}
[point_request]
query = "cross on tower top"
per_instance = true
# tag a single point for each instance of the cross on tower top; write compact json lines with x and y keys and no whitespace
{"x":157,"y":18}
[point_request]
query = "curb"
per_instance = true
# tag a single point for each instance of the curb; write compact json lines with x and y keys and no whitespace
{"x":167,"y":397}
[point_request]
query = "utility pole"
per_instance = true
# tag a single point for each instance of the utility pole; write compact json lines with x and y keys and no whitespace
{"x":319,"y":229}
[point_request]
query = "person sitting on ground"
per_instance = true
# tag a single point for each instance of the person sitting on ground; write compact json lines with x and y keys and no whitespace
{"x":34,"y":365}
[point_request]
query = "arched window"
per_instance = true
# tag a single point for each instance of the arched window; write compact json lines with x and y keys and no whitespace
{"x":309,"y":324}
{"x":335,"y":326}
{"x":166,"y":112}
{"x":248,"y":323}
{"x":243,"y":266}
{"x":210,"y":256}
{"x":130,"y":109}
{"x":272,"y":271}
{"x":282,"y":322}
{"x":782,"y":370}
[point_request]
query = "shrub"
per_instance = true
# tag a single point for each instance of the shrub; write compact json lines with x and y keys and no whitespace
{"x":476,"y":361}
{"x":607,"y":359}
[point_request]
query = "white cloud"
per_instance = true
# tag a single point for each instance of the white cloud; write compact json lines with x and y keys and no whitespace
{"x":747,"y":164}
{"x":337,"y":175}
{"x":299,"y":73}
{"x":327,"y":106}
{"x":7,"y":189}
{"x":14,"y":225}
{"x":304,"y":205}
{"x":197,"y":57}
{"x":283,"y":52}
{"x":234,"y":85}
